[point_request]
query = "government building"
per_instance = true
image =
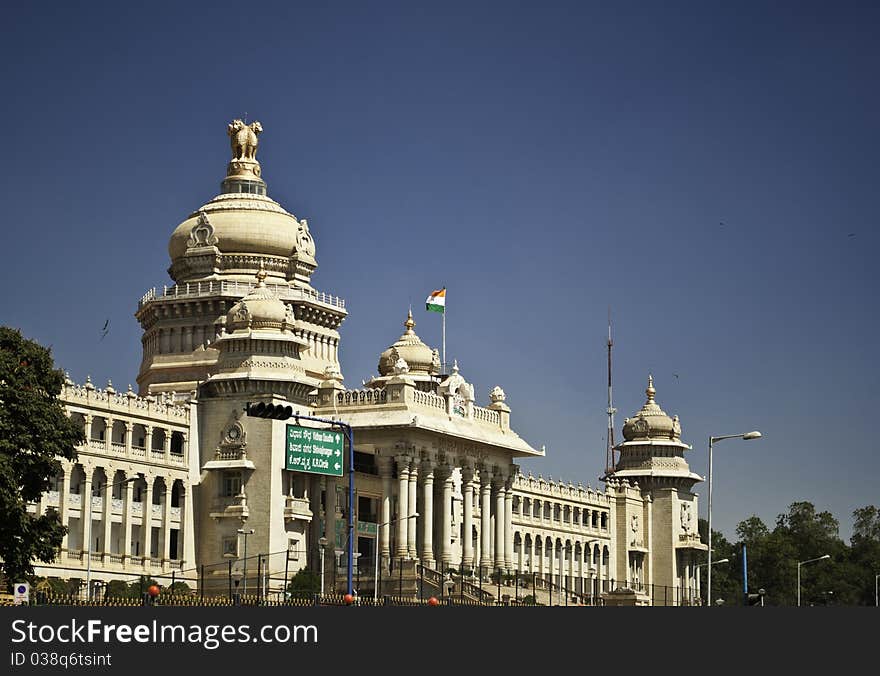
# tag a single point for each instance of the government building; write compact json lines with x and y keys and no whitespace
{"x":177,"y":482}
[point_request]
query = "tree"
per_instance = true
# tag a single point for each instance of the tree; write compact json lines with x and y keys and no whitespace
{"x":725,"y":582}
{"x":305,"y":580}
{"x":35,"y":434}
{"x":865,"y":552}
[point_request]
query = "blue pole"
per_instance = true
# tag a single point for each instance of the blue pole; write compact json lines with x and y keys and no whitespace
{"x":351,"y":504}
{"x":745,"y":578}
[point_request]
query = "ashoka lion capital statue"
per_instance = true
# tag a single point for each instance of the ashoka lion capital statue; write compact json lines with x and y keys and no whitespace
{"x":244,"y":139}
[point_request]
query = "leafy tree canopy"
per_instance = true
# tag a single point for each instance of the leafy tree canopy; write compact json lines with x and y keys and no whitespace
{"x":35,"y":434}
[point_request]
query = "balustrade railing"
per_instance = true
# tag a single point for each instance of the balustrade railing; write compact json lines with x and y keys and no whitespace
{"x":237,"y":289}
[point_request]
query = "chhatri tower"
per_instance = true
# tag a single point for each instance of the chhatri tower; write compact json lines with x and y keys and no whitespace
{"x":215,"y":254}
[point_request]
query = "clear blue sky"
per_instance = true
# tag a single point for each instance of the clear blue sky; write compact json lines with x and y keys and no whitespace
{"x":709,"y":170}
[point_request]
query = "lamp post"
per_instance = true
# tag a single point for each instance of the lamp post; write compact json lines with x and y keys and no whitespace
{"x":244,"y":532}
{"x":876,"y":595}
{"x":322,"y":543}
{"x":356,"y":556}
{"x":89,"y":548}
{"x":592,"y":583}
{"x":376,"y":556}
{"x":700,"y":565}
{"x":801,"y":563}
{"x":712,"y":440}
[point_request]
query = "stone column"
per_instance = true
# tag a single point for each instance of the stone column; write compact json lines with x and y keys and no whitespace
{"x":485,"y":520}
{"x":385,"y":530}
{"x":427,"y":517}
{"x":186,"y":537}
{"x":550,"y":561}
{"x":508,"y":526}
{"x":184,"y":446}
{"x":126,"y":522}
{"x":581,"y":586}
{"x":499,"y":524}
{"x":63,"y":497}
{"x":571,"y":568}
{"x":166,"y":448}
{"x":85,"y":509}
{"x":108,"y":434}
{"x":165,"y":545}
{"x":148,"y":442}
{"x":446,"y":517}
{"x":146,"y":520}
{"x":687,"y":577}
{"x":467,"y":492}
{"x":87,"y":425}
{"x":402,"y":504}
{"x":107,"y":494}
{"x":412,"y":494}
{"x":129,"y":428}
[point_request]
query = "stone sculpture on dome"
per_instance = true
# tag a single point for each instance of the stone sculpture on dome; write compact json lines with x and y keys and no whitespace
{"x":304,"y":241}
{"x":497,"y":395}
{"x":400,"y":366}
{"x":243,"y":138}
{"x":202,"y":233}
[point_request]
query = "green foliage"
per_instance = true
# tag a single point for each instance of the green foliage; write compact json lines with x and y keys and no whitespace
{"x":802,"y":534}
{"x":35,"y":434}
{"x":726,"y":578}
{"x":120,"y":589}
{"x":116,"y":589}
{"x":179,"y":589}
{"x":529,"y":600}
{"x":865,"y":552}
{"x":305,"y":580}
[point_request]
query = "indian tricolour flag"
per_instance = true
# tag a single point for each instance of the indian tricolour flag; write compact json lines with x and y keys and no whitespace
{"x":436,"y":302}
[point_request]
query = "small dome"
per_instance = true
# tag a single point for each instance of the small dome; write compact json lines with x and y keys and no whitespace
{"x":260,"y":309}
{"x":651,"y":422}
{"x":420,"y":358}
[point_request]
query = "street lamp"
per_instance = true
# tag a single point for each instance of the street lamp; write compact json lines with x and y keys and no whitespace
{"x":712,"y":440}
{"x":376,"y":555}
{"x":592,"y":583}
{"x":356,"y":556}
{"x":801,"y":563}
{"x":322,"y":543}
{"x":700,"y":565}
{"x":89,"y":548}
{"x":876,"y":595}
{"x":244,"y":532}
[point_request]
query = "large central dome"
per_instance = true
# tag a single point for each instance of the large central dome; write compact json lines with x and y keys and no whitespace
{"x":242,"y":228}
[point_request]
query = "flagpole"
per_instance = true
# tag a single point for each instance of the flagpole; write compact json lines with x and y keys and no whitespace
{"x":444,"y":338}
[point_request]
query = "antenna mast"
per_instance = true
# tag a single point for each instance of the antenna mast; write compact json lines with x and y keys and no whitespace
{"x":609,"y":449}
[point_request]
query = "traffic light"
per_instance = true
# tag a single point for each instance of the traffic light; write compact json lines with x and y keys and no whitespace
{"x":273,"y":411}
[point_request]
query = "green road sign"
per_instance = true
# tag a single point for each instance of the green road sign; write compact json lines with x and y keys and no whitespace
{"x":313,"y":450}
{"x":367,"y":528}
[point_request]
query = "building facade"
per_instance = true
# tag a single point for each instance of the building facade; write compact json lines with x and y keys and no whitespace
{"x":178,"y":479}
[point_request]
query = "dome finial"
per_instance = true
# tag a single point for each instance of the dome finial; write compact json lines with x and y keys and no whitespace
{"x":261,"y":275}
{"x":243,"y":173}
{"x":409,"y":323}
{"x":650,"y":391}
